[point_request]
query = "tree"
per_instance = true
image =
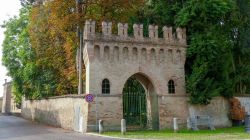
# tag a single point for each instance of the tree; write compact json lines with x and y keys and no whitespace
{"x":40,"y":45}
{"x":217,"y":61}
{"x":241,"y":50}
{"x":217,"y":58}
{"x":207,"y":74}
{"x":16,"y":49}
{"x":218,"y":43}
{"x":18,"y":56}
{"x":29,"y":77}
{"x":160,"y":12}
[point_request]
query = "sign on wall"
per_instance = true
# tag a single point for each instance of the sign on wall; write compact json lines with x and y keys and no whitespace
{"x":89,"y":98}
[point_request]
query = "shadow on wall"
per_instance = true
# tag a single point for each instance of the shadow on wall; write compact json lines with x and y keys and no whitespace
{"x":43,"y":116}
{"x":48,"y":117}
{"x":218,"y":110}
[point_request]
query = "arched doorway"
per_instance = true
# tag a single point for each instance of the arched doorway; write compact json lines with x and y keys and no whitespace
{"x":134,"y":104}
{"x":140,"y":103}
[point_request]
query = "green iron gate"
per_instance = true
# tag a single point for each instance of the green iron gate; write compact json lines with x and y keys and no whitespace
{"x":134,"y":104}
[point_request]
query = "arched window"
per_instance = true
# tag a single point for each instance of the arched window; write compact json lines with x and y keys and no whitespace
{"x":171,"y":87}
{"x":105,"y":86}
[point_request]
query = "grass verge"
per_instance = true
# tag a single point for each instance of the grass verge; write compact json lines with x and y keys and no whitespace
{"x":234,"y":133}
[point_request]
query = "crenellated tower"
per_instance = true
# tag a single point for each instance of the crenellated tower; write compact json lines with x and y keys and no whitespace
{"x":158,"y":63}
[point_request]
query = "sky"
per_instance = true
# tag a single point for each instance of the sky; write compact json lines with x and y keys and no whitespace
{"x":8,"y":8}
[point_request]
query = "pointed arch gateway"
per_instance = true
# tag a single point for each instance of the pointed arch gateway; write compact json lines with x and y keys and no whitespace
{"x":140,"y":103}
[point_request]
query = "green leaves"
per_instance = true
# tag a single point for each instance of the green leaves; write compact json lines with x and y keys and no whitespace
{"x":210,"y":64}
{"x":215,"y":61}
{"x":218,"y":34}
{"x":29,"y":78}
{"x":202,"y":13}
{"x":206,"y":78}
{"x":15,"y":49}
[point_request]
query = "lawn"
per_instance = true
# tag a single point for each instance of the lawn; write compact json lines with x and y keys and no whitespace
{"x":234,"y":133}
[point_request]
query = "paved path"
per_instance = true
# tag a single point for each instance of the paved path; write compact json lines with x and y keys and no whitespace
{"x":15,"y":128}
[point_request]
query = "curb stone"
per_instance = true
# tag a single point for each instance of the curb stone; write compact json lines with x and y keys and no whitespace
{"x":99,"y":135}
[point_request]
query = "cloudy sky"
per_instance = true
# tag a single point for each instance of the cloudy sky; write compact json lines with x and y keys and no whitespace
{"x":8,"y":8}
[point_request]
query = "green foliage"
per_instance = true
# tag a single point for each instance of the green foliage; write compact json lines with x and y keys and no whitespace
{"x":212,"y":67}
{"x":200,"y":15}
{"x":160,"y":12}
{"x":40,"y":46}
{"x":16,"y":50}
{"x":29,"y":78}
{"x":207,"y":74}
{"x":218,"y":44}
{"x":241,"y":51}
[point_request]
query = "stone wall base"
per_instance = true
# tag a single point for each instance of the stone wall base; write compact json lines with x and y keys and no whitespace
{"x":74,"y":113}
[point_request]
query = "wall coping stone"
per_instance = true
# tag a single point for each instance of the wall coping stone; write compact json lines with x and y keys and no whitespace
{"x":119,"y":95}
{"x":58,"y":97}
{"x":73,"y":96}
{"x":242,"y":95}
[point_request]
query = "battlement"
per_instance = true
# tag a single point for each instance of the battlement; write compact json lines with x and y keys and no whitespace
{"x":153,"y":30}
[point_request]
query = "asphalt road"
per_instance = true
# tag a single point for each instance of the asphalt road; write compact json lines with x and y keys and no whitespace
{"x":15,"y":128}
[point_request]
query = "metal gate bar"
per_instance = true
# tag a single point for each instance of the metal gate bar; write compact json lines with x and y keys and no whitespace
{"x":134,"y":104}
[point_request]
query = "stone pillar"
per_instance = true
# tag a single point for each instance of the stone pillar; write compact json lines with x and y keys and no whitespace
{"x":188,"y":124}
{"x":6,"y":105}
{"x":176,"y":128}
{"x":247,"y":123}
{"x":4,"y":98}
{"x":123,"y":126}
{"x":101,"y":126}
